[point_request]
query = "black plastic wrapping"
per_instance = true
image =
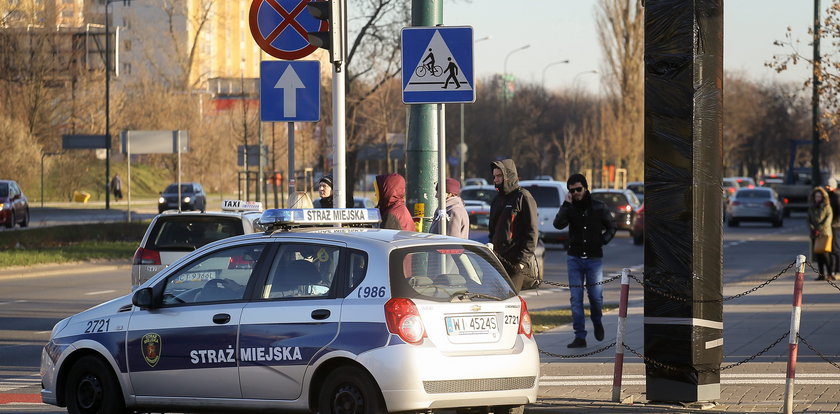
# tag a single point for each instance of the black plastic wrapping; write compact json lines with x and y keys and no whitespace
{"x":683,"y":197}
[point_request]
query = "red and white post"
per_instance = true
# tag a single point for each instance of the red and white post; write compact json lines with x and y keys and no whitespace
{"x":793,"y":338}
{"x":619,"y":335}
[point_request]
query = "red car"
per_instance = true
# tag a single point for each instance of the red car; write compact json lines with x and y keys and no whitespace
{"x":14,"y":207}
{"x":639,"y":226}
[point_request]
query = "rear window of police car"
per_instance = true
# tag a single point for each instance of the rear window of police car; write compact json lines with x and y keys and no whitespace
{"x":187,"y":233}
{"x":442,"y":272}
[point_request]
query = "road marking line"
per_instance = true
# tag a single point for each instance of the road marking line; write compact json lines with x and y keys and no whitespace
{"x":100,"y":292}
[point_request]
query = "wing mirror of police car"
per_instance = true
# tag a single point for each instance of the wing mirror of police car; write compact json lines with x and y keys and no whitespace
{"x":143,"y":298}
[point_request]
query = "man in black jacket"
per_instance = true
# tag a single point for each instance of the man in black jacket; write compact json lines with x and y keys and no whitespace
{"x":513,"y":226}
{"x":591,"y":226}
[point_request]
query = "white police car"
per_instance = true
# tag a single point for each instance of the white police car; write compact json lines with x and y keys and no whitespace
{"x":173,"y":234}
{"x":319,"y":319}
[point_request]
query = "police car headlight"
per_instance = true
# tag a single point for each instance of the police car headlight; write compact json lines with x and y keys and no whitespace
{"x":161,"y":200}
{"x":59,"y":326}
{"x":187,"y":199}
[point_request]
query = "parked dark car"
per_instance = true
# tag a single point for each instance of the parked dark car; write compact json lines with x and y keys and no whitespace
{"x":622,"y":203}
{"x":14,"y":206}
{"x":192,"y":198}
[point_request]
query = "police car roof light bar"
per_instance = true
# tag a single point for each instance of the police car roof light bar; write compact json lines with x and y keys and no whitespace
{"x":286,"y":218}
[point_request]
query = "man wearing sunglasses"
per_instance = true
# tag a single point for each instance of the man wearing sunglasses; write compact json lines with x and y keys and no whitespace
{"x":591,"y":226}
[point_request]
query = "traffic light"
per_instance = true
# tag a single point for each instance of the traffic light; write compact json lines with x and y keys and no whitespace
{"x":331,"y":39}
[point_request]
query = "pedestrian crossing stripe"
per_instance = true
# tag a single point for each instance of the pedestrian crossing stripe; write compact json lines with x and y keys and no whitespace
{"x":425,"y":80}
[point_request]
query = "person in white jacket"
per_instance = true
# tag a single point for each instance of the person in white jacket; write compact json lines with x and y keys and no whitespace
{"x":457,"y":219}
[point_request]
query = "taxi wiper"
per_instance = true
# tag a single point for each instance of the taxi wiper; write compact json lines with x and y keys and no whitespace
{"x":461,"y":295}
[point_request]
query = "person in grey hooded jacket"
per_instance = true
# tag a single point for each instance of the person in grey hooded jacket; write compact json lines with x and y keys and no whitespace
{"x":457,"y":221}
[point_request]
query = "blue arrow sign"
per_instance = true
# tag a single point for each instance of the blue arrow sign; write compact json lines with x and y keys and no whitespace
{"x":290,"y":91}
{"x":438,"y":65}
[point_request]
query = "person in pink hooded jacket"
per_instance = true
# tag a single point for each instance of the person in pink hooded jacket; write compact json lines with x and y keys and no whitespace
{"x":390,"y":191}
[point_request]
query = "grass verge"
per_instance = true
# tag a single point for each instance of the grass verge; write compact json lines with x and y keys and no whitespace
{"x":544,"y":320}
{"x":70,"y":243}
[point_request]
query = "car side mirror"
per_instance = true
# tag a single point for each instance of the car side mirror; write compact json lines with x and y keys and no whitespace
{"x":143,"y":298}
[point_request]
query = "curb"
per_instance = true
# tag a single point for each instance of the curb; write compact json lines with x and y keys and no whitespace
{"x":62,"y":269}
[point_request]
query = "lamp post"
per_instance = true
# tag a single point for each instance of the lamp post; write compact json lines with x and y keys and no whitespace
{"x":588,"y":72}
{"x":542,"y":82}
{"x":505,"y":88}
{"x":461,"y":149}
{"x":108,"y":100}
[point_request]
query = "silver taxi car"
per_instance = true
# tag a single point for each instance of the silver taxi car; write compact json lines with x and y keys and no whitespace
{"x":173,"y":234}
{"x":314,"y":319}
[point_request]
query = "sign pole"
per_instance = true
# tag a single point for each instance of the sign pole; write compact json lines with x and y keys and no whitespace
{"x":339,"y":166}
{"x":128,"y":179}
{"x":290,"y":128}
{"x":442,"y":167}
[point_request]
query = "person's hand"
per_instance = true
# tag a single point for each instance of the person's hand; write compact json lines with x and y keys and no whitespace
{"x":816,"y":233}
{"x":569,"y":197}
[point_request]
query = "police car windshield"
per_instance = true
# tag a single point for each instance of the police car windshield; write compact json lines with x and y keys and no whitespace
{"x":446,"y":272}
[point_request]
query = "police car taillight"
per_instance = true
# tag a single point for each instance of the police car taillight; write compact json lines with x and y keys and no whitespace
{"x":146,"y":257}
{"x":404,"y":320}
{"x":524,"y":319}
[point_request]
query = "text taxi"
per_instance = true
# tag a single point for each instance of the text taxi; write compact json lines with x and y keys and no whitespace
{"x":309,"y":316}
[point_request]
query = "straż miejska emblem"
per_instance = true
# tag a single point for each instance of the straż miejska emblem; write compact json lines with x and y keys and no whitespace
{"x":151,"y":346}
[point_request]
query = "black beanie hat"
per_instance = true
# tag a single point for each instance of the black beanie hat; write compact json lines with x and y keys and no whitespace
{"x":577,"y":178}
{"x":327,"y":179}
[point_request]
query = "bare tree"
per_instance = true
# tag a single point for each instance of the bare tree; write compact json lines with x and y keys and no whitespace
{"x":621,"y":34}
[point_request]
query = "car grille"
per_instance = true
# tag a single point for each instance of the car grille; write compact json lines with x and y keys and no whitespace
{"x":476,"y":385}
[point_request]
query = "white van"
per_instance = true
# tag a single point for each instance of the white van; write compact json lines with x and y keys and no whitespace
{"x":549,"y":196}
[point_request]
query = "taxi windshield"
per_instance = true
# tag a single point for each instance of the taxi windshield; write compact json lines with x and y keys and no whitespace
{"x":445,"y":273}
{"x":4,"y":189}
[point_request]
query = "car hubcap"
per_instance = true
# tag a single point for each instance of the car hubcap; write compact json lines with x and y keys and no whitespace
{"x":89,"y":392}
{"x":348,"y":400}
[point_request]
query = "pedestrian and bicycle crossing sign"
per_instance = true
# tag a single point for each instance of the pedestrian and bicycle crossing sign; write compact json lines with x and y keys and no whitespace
{"x":438,"y":65}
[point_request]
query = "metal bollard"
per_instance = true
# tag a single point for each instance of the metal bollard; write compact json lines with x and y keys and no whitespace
{"x":793,"y":338}
{"x":619,"y":335}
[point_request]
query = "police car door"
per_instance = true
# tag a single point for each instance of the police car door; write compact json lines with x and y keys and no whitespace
{"x":296,"y":316}
{"x":186,"y":347}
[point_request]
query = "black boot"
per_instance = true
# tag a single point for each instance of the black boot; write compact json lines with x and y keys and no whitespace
{"x":577,"y":343}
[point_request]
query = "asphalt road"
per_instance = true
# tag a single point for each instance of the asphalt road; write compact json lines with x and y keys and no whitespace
{"x":31,"y":305}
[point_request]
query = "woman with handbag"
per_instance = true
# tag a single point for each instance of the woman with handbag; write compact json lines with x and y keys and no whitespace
{"x":819,"y":221}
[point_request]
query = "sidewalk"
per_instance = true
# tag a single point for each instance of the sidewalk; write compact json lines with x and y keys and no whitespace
{"x":751,"y":323}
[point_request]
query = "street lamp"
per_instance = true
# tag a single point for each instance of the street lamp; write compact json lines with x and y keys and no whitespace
{"x":108,"y":100}
{"x":512,"y":52}
{"x":548,"y":66}
{"x":588,"y":72}
{"x":461,"y":151}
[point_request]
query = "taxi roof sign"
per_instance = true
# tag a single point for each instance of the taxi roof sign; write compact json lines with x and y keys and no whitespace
{"x":296,"y":217}
{"x":239,"y":205}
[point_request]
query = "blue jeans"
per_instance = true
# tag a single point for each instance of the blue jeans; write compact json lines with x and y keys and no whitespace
{"x":591,"y":271}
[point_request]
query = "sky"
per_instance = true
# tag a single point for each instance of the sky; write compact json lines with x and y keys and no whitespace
{"x":557,"y":30}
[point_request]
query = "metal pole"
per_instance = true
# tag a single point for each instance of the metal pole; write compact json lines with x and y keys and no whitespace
{"x":42,"y":179}
{"x":816,"y":174}
{"x":128,"y":178}
{"x":339,"y":130}
{"x":178,"y":133}
{"x":793,"y":338}
{"x":420,"y":140}
{"x":290,"y":129}
{"x":442,"y":167}
{"x":461,"y":152}
{"x":107,"y":105}
{"x":619,"y":335}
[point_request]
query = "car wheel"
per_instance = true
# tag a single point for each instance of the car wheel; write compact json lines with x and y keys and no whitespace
{"x":12,"y":220}
{"x":508,"y":409}
{"x":778,"y":223}
{"x":786,"y":213}
{"x":91,"y":388}
{"x":732,"y":222}
{"x":638,"y":239}
{"x":25,"y":222}
{"x":349,"y":390}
